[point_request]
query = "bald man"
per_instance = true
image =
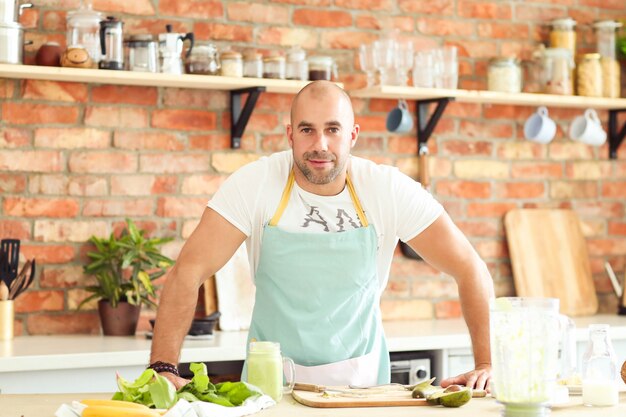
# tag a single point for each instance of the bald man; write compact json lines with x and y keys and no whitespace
{"x":320,"y":228}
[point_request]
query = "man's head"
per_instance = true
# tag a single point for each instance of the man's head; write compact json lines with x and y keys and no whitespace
{"x":321,"y":134}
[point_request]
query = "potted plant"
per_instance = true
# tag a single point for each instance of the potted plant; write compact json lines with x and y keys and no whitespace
{"x":124,"y":268}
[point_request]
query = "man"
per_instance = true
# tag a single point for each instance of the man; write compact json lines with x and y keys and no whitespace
{"x":321,"y":227}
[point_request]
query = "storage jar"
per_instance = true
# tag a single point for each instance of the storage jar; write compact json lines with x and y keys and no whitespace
{"x":563,"y":34}
{"x":557,"y":65}
{"x":589,"y":76}
{"x":321,"y":68}
{"x":203,"y":59}
{"x":296,"y":67}
{"x":504,"y":75}
{"x":232,"y":64}
{"x":252,"y":64}
{"x":274,"y":67}
{"x":606,"y":47}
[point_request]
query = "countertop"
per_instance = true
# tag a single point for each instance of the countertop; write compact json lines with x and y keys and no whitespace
{"x":46,"y":405}
{"x":36,"y":353}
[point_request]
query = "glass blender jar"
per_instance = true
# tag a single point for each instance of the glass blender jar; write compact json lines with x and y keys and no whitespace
{"x":83,"y":29}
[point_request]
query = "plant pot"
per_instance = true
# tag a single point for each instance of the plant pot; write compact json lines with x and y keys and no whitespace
{"x":119,"y":321}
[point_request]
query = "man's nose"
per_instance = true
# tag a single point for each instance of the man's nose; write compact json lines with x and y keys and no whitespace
{"x":321,"y":142}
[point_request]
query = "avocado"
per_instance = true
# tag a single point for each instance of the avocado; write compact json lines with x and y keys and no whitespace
{"x":424,"y":389}
{"x":454,"y":397}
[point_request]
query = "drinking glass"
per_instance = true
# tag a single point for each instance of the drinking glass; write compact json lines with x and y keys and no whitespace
{"x":424,"y":70}
{"x":367,"y":60}
{"x":449,"y":67}
{"x":385,"y":58}
{"x":404,"y":62}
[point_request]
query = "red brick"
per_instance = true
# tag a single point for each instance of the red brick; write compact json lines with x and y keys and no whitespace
{"x":207,"y":100}
{"x":210,"y":142}
{"x":102,"y":162}
{"x":174,"y":163}
{"x":49,"y":254}
{"x":569,"y":190}
{"x":36,"y":301}
{"x":12,"y":183}
{"x":201,"y":9}
{"x":29,"y":113}
{"x":503,"y":30}
{"x":67,"y":323}
{"x":364,"y":4}
{"x":29,"y":18}
{"x":401,"y":23}
{"x":463,"y":189}
{"x":141,"y":7}
{"x":538,"y":170}
{"x":321,"y":18}
{"x":147,"y":140}
{"x":448,"y":309}
{"x":31,"y":161}
{"x":117,"y":94}
{"x":346,"y":39}
{"x":486,"y":130}
{"x":55,"y":91}
{"x":201,"y":184}
{"x":319,"y":3}
{"x":218,"y":31}
{"x":484,"y":10}
{"x":258,"y":13}
{"x":180,"y":207}
{"x":116,"y":208}
{"x":604,"y":247}
{"x":372,"y":123}
{"x":464,"y":147}
{"x":478,"y":228}
{"x":117,"y":117}
{"x":527,"y":12}
{"x":14,"y":138}
{"x":259,"y":122}
{"x":444,"y":27}
{"x":402,"y":144}
{"x":39,"y":207}
{"x":445,"y":7}
{"x":72,"y":138}
{"x":274,"y":143}
{"x":614,"y":189}
{"x":286,"y":36}
{"x":87,"y":185}
{"x":143,"y":185}
{"x":14,"y":229}
{"x":153,"y":26}
{"x":599,"y":209}
{"x":617,"y":228}
{"x":463,"y":110}
{"x":571,"y":151}
{"x":492,"y":249}
{"x":54,"y":20}
{"x":184,"y":119}
{"x":521,"y":190}
{"x":475,"y":49}
{"x":502,"y":111}
{"x":7,"y":88}
{"x":489,"y":209}
{"x":65,"y":276}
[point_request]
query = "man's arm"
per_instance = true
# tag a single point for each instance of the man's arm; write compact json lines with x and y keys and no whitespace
{"x":445,"y":247}
{"x":210,"y":246}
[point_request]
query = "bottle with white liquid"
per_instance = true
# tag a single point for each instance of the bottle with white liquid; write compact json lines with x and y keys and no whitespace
{"x":599,"y":370}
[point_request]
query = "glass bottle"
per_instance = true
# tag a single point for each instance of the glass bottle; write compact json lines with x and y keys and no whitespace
{"x":589,"y":76}
{"x":252,"y":64}
{"x":599,"y":370}
{"x":606,"y":47}
{"x":563,"y":35}
{"x":297,"y":68}
{"x":505,"y":75}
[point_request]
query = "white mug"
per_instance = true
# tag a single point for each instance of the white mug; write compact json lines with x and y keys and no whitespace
{"x":539,"y":127}
{"x":587,"y":129}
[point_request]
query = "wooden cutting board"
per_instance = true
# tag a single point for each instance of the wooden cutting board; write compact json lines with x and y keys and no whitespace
{"x":549,"y":258}
{"x":387,"y":399}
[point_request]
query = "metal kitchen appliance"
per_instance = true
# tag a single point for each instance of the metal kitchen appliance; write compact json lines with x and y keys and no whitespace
{"x":111,"y":44}
{"x":409,"y":368}
{"x":171,"y":48}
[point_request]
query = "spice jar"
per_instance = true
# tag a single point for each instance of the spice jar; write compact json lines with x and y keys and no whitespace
{"x":252,"y":64}
{"x":589,"y":76}
{"x":563,"y":35}
{"x":203,"y":59}
{"x":557,"y":65}
{"x":274,"y":67}
{"x":232,"y":64}
{"x":321,"y":68}
{"x":605,"y":42}
{"x":505,"y":75}
{"x":297,"y":67}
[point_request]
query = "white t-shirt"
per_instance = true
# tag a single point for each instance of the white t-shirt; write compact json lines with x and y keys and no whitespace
{"x":396,"y":205}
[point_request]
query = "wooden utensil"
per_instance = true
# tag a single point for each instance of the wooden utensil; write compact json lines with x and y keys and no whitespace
{"x":18,"y":283}
{"x":4,"y":291}
{"x":549,"y":258}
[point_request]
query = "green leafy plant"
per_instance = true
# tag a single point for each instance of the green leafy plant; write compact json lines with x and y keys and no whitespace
{"x":125,"y":267}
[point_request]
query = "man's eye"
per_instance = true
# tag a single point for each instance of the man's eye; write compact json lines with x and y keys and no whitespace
{"x":333,"y":130}
{"x":306,"y":130}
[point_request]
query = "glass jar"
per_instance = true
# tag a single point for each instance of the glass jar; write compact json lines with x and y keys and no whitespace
{"x":232,"y":64}
{"x":83,"y":29}
{"x":557,"y":67}
{"x":297,"y":67}
{"x":265,"y":369}
{"x":563,"y":34}
{"x":504,"y":75}
{"x":203,"y":59}
{"x":606,"y":46}
{"x":252,"y":64}
{"x":321,"y":68}
{"x":143,"y":53}
{"x":599,"y":369}
{"x":274,"y":67}
{"x":589,"y":76}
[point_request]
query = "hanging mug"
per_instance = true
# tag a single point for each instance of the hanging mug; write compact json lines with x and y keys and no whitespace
{"x":399,"y":120}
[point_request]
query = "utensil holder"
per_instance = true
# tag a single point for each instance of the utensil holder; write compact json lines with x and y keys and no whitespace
{"x":6,"y":320}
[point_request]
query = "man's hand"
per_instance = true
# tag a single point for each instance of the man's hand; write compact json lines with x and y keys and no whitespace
{"x":174,"y":379}
{"x":476,"y":379}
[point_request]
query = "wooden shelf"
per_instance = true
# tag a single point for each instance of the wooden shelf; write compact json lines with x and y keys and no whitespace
{"x":147,"y":79}
{"x":490,"y":97}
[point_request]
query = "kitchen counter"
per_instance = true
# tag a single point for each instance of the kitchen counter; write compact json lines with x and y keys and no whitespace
{"x":46,"y":405}
{"x":87,"y":363}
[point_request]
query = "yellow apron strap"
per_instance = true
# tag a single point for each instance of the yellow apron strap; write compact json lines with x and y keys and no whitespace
{"x":287,"y":193}
{"x":283,"y":200}
{"x":356,"y":202}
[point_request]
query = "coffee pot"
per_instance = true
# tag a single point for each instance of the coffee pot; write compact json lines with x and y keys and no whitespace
{"x":171,"y":48}
{"x":111,"y":44}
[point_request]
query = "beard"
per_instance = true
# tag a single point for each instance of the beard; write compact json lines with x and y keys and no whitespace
{"x":320,"y":177}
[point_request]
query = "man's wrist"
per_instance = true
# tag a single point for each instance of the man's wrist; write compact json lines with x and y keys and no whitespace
{"x":160,"y":366}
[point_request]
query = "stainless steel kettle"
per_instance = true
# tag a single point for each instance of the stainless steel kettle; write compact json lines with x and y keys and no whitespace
{"x":171,"y":48}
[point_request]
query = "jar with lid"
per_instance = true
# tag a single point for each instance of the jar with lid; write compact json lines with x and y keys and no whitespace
{"x":232,"y":64}
{"x":563,"y":34}
{"x":83,"y":30}
{"x":599,"y":369}
{"x":322,"y":68}
{"x":252,"y":64}
{"x":589,"y":76}
{"x":557,"y":65}
{"x":274,"y":67}
{"x":143,"y":55}
{"x":606,"y":47}
{"x":504,"y":75}
{"x":297,"y":66}
{"x":203,"y":59}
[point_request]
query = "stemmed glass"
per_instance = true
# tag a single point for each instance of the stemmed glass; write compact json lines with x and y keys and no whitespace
{"x":404,"y":62}
{"x":384,"y":53}
{"x":367,"y":60}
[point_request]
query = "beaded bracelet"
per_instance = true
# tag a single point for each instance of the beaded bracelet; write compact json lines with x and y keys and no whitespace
{"x":159,"y":367}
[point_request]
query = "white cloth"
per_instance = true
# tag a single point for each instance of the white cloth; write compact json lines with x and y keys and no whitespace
{"x":397,"y":206}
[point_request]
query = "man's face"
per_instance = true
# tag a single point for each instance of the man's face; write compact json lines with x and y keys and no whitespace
{"x":321,"y":136}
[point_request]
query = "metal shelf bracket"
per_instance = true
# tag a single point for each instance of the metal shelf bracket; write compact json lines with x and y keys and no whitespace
{"x":239,"y":116}
{"x":616,"y":136}
{"x":425,"y":125}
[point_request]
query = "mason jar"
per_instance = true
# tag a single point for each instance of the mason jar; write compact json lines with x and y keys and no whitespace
{"x":274,"y":67}
{"x":296,"y":68}
{"x":505,"y":75}
{"x":563,"y":34}
{"x":252,"y":64}
{"x":321,"y":68}
{"x":557,"y":67}
{"x":589,"y":76}
{"x":232,"y":64}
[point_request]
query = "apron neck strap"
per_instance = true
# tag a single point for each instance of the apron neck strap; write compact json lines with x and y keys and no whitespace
{"x":284,"y":199}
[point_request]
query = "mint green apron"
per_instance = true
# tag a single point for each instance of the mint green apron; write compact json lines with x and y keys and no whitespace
{"x":317,"y":294}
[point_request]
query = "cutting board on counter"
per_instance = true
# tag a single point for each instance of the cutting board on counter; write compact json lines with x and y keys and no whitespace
{"x":549,"y":258}
{"x":387,"y":399}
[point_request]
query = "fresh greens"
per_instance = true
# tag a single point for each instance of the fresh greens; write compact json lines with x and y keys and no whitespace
{"x":156,"y":391}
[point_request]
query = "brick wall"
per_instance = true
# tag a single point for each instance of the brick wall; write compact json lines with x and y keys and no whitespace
{"x":76,"y":159}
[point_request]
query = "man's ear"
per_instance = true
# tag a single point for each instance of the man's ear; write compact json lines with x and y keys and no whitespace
{"x":354,"y":134}
{"x":290,"y":135}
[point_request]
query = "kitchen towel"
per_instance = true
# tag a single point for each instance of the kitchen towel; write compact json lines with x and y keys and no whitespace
{"x":235,"y":292}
